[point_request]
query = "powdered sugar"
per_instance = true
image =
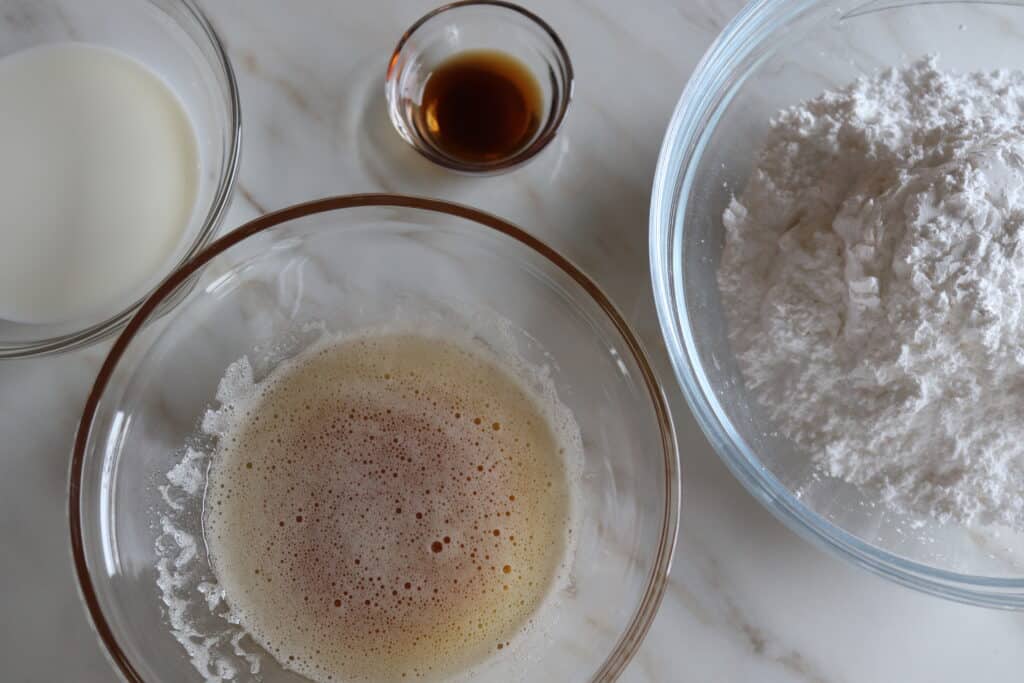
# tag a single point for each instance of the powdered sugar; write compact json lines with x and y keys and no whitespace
{"x":873,"y":281}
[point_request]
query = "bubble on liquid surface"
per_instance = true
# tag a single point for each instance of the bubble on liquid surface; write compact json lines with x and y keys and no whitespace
{"x":388,"y":507}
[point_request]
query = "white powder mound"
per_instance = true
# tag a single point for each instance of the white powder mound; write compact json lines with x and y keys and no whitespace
{"x":873,"y":282}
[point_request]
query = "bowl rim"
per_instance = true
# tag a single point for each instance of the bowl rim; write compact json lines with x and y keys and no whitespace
{"x":218,"y":207}
{"x":694,"y":116}
{"x":554,"y":119}
{"x":646,"y":609}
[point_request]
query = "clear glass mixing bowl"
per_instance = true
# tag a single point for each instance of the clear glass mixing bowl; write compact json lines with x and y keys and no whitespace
{"x":175,"y":40}
{"x":351,"y":263}
{"x":774,"y":54}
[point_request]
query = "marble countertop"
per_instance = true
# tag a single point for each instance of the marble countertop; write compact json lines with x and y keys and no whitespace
{"x":748,"y":600}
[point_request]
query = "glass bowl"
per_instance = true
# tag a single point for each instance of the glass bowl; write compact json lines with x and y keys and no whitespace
{"x":174,"y":39}
{"x":774,"y":54}
{"x":349,"y":263}
{"x":478,"y":25}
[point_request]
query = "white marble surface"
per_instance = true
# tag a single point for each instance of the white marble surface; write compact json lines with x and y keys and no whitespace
{"x":748,"y":601}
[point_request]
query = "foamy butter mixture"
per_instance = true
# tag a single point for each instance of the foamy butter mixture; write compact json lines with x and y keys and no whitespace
{"x":390,"y":507}
{"x":98,"y":178}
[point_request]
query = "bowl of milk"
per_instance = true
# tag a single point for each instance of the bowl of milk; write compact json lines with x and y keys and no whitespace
{"x":121,"y":128}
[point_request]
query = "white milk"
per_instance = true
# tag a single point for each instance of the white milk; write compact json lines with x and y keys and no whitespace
{"x":98,"y":177}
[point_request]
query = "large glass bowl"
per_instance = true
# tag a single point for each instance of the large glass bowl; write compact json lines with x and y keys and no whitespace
{"x":350,"y":263}
{"x":774,"y":54}
{"x":174,"y":39}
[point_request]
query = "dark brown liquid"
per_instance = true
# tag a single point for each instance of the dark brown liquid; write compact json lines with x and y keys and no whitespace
{"x":480,"y":106}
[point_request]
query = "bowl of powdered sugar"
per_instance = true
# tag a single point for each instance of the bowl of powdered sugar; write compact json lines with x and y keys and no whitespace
{"x":837,"y":244}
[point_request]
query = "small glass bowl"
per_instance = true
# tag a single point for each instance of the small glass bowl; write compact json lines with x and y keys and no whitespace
{"x":478,"y":25}
{"x":175,"y":40}
{"x":346,"y":264}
